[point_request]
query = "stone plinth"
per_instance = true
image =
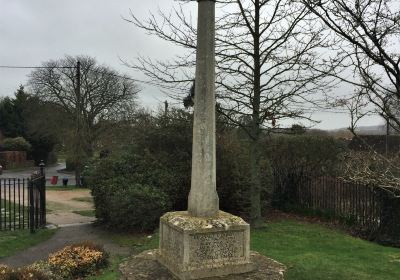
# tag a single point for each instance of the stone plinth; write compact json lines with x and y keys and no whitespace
{"x":197,"y":247}
{"x":146,"y":267}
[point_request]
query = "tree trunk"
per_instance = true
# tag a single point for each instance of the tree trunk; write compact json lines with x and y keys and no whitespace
{"x":78,"y":175}
{"x":255,"y":187}
{"x":255,"y":152}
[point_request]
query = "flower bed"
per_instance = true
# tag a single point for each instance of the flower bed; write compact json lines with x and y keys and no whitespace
{"x":77,"y":260}
{"x":72,"y":262}
{"x":7,"y":273}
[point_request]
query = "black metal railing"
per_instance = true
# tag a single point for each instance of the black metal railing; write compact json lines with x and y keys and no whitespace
{"x":23,"y":202}
{"x":14,"y":201}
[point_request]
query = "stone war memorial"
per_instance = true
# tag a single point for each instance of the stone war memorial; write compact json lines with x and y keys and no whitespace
{"x":203,"y":242}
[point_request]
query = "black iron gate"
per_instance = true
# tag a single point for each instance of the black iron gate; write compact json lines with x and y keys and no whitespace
{"x":23,"y":202}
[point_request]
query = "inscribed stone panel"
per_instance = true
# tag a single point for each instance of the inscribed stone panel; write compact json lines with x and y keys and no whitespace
{"x":216,"y":246}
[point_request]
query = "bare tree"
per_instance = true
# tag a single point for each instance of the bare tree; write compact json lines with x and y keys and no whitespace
{"x":101,"y":95}
{"x":266,"y":52}
{"x":370,"y":30}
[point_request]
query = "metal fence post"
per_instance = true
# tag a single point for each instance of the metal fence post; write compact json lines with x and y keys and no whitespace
{"x":31,"y":207}
{"x":42,"y":194}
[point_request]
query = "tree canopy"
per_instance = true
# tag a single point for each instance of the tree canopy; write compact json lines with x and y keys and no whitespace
{"x":102,"y":96}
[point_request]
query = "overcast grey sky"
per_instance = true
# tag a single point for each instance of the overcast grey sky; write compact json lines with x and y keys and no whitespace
{"x":34,"y":31}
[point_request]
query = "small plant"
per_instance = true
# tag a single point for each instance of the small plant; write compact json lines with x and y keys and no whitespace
{"x":45,"y":269}
{"x":77,"y":260}
{"x":26,"y":273}
{"x":72,"y":262}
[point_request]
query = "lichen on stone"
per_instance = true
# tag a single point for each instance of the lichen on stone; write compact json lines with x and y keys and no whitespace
{"x":185,"y":221}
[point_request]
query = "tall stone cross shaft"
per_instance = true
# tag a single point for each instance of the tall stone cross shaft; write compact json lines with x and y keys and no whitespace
{"x":193,"y":244}
{"x":203,"y":197}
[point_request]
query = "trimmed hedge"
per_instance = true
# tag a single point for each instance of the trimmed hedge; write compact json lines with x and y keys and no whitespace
{"x":156,"y":169}
{"x":128,"y":190}
{"x":132,"y":187}
{"x":16,"y":144}
{"x":295,"y":156}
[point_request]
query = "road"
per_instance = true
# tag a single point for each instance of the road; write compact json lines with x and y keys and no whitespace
{"x":53,"y":170}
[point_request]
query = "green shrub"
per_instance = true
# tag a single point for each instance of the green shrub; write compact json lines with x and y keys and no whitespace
{"x":69,"y":164}
{"x":138,"y":207}
{"x":319,"y":155}
{"x":160,"y":159}
{"x":16,"y":144}
{"x":233,"y":173}
{"x":155,"y":168}
{"x":139,"y":182}
{"x":297,"y":157}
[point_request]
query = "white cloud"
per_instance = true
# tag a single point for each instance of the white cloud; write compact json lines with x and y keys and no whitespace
{"x":32,"y":32}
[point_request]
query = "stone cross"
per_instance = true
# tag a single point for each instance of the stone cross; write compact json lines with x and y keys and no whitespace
{"x":203,"y":197}
{"x":203,"y":241}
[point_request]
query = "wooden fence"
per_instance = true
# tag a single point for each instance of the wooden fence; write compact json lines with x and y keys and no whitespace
{"x":356,"y":203}
{"x":370,"y":209}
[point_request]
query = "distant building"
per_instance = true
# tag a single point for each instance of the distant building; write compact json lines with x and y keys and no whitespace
{"x":14,"y":159}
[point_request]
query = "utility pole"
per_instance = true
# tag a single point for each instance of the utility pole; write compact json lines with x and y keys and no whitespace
{"x":78,"y":139}
{"x":165,"y":108}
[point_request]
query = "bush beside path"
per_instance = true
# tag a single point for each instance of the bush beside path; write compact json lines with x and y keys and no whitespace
{"x":64,"y":206}
{"x":63,"y":237}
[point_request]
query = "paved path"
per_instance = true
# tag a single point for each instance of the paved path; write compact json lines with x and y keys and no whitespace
{"x":73,"y":228}
{"x":62,"y":204}
{"x":63,"y":237}
{"x":52,"y":170}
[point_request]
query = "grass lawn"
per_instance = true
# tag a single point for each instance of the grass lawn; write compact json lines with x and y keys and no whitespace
{"x":13,"y":241}
{"x":52,"y":206}
{"x":10,"y":211}
{"x":111,"y":272}
{"x":138,"y":242}
{"x":310,"y":251}
{"x":86,"y":213}
{"x":313,"y":251}
{"x":83,"y":199}
{"x":62,"y":188}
